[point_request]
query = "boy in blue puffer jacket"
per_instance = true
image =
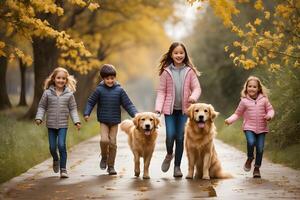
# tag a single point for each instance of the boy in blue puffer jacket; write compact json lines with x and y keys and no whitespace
{"x":109,"y":96}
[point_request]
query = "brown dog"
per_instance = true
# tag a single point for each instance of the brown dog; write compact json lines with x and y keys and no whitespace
{"x":199,"y":134}
{"x":142,"y":135}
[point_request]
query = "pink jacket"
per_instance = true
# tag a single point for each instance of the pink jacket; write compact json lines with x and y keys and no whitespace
{"x":166,"y":91}
{"x":253,"y":112}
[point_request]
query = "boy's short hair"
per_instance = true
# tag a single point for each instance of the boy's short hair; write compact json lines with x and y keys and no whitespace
{"x":107,"y":70}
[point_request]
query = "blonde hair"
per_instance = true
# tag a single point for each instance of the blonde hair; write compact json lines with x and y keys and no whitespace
{"x":71,"y":82}
{"x":261,"y":88}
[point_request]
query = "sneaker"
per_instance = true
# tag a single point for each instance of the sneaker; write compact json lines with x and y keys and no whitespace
{"x":63,"y":173}
{"x":166,"y":163}
{"x":247,"y":166}
{"x":256,"y":173}
{"x":103,"y":163}
{"x":111,"y":170}
{"x":56,"y":166}
{"x":177,"y":172}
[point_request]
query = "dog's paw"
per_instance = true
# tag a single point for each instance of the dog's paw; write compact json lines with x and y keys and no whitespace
{"x":189,"y":177}
{"x":137,"y":174}
{"x":206,"y":177}
{"x":146,"y":177}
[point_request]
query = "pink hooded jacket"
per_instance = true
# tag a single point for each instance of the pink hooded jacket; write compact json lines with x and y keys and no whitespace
{"x":254,"y":113}
{"x":166,"y":91}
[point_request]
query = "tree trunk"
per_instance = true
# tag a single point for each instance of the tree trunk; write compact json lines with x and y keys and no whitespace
{"x":4,"y":99}
{"x":22,"y":101}
{"x":85,"y":85}
{"x":45,"y":60}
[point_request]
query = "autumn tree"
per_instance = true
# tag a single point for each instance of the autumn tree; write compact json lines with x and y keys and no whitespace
{"x":114,"y":28}
{"x":30,"y":20}
{"x":271,"y":39}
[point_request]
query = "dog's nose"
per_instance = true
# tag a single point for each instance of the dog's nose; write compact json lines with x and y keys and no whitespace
{"x":201,"y":117}
{"x":147,"y":126}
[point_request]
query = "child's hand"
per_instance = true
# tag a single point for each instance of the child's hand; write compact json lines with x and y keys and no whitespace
{"x":227,"y":122}
{"x":267,"y":117}
{"x":191,"y":100}
{"x":78,"y":126}
{"x":38,"y":121}
{"x":86,"y":118}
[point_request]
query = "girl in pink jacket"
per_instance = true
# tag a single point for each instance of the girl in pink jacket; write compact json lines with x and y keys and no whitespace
{"x":178,"y":88}
{"x":256,"y":110}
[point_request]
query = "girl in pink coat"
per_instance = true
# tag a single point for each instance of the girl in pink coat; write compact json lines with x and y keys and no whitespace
{"x":178,"y":88}
{"x":256,"y":110}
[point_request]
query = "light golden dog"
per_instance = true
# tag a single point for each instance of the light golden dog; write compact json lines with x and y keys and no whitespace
{"x":142,"y":134}
{"x":199,"y":134}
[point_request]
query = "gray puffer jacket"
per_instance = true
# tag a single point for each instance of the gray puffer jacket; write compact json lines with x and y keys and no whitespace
{"x":57,"y":108}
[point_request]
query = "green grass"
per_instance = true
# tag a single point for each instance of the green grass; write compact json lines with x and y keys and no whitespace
{"x":24,"y":144}
{"x":234,"y":136}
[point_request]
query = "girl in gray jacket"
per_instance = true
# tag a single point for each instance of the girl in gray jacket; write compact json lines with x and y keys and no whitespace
{"x":58,"y":102}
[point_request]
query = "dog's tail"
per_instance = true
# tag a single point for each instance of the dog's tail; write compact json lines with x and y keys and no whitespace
{"x":126,"y":125}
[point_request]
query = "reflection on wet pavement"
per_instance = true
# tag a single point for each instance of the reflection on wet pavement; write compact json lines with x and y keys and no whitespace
{"x":87,"y":181}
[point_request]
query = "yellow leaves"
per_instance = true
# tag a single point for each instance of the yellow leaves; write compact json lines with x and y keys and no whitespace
{"x":224,"y":9}
{"x":271,"y":55}
{"x":226,"y":48}
{"x":47,"y":6}
{"x":264,"y":40}
{"x":254,"y":53}
{"x":248,"y":63}
{"x":236,"y":60}
{"x":297,"y":64}
{"x":244,"y":48}
{"x":78,"y":2}
{"x":2,"y":53}
{"x":236,"y":44}
{"x":9,"y":29}
{"x":284,"y":10}
{"x":2,"y":44}
{"x":267,"y":15}
{"x":289,"y":50}
{"x":73,"y":53}
{"x":257,"y":21}
{"x":93,"y":6}
{"x":274,"y":66}
{"x":259,"y":5}
{"x":25,"y":58}
{"x":60,"y":11}
{"x":267,"y":34}
{"x":265,"y":43}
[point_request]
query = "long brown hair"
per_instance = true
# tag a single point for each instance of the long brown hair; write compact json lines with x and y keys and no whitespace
{"x":167,"y":58}
{"x":71,"y":82}
{"x":261,"y":88}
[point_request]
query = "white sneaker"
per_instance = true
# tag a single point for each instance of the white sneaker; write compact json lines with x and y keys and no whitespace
{"x":64,"y":173}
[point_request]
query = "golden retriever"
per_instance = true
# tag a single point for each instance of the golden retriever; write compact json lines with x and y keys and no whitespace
{"x":142,"y":134}
{"x":200,"y":131}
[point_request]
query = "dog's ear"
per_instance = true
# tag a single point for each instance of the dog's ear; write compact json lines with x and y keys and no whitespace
{"x":213,"y":113}
{"x":156,"y":121}
{"x":190,"y":111}
{"x":136,"y":120}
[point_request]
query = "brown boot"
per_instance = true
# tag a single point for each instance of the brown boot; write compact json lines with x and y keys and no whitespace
{"x":247,"y":166}
{"x":104,"y":149}
{"x":256,"y":172}
{"x":112,"y":151}
{"x":111,"y":170}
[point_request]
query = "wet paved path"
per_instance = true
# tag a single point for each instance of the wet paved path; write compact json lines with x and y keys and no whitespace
{"x":87,"y":181}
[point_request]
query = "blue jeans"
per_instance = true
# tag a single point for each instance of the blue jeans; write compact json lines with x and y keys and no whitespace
{"x":57,"y":137}
{"x":175,"y":132}
{"x":258,"y":141}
